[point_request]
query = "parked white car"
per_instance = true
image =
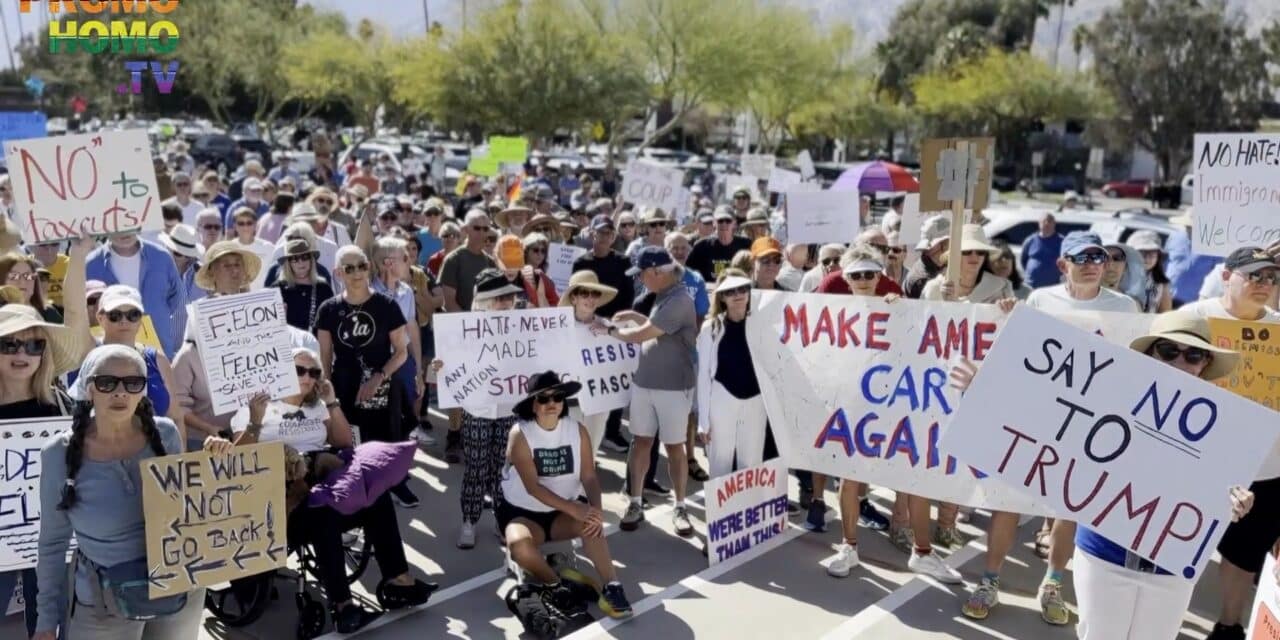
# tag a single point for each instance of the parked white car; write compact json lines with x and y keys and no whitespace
{"x":1014,"y":225}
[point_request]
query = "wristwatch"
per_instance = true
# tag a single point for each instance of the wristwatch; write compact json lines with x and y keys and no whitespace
{"x":330,"y":405}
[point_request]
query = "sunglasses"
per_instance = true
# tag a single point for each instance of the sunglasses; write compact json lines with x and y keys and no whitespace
{"x":549,"y":398}
{"x":1263,"y":277}
{"x":828,"y":262}
{"x":537,"y":250}
{"x":657,"y":225}
{"x":897,"y":250}
{"x":724,"y":222}
{"x":769,"y":262}
{"x":108,"y":384}
{"x":736,"y":291}
{"x":882,"y":248}
{"x":353,"y":268}
{"x":969,"y":253}
{"x":588,"y":293}
{"x":300,"y":258}
{"x":449,"y":236}
{"x":1088,"y":258}
{"x":1169,"y":352}
{"x":484,"y":229}
{"x":314,"y":372}
{"x":182,"y":184}
{"x":132,"y":315}
{"x":244,"y":223}
{"x":30,"y":346}
{"x":1116,"y":257}
{"x":862,"y":275}
{"x":211,"y":227}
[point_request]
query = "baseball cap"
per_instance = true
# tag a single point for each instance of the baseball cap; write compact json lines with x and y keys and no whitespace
{"x":934,"y":229}
{"x":723,"y":213}
{"x":601,"y":221}
{"x":741,"y":192}
{"x":1246,"y":260}
{"x":119,"y":295}
{"x":651,"y":257}
{"x":764,"y":246}
{"x":1077,"y":242}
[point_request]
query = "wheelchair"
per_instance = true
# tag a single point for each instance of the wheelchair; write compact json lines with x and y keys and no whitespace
{"x":244,"y":600}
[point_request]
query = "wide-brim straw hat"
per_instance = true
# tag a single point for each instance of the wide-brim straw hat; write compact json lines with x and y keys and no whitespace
{"x":587,"y":280}
{"x":973,"y":238}
{"x":1189,"y":330}
{"x":61,"y":344}
{"x":501,"y":217}
{"x":252,"y":263}
{"x":541,"y":222}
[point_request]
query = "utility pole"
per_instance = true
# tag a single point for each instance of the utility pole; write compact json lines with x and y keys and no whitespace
{"x":426,"y":17}
{"x":4,"y":23}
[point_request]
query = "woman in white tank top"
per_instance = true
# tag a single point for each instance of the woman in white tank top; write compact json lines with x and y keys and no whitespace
{"x":549,"y":491}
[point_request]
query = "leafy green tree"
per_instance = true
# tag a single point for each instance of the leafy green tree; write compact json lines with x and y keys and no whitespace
{"x":1174,"y":68}
{"x":851,"y":108}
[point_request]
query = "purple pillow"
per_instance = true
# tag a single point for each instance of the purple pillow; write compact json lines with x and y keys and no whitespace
{"x":373,"y":468}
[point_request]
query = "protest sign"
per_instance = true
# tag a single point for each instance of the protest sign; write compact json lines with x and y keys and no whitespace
{"x":1265,"y":622}
{"x":1110,"y":438}
{"x":604,"y":365}
{"x":213,"y":518}
{"x":757,"y":165}
{"x":805,"y":162}
{"x":748,"y":508}
{"x":146,"y":333}
{"x":22,"y":125}
{"x":822,"y":216}
{"x":508,"y":149}
{"x":560,"y":259}
{"x":912,"y":221}
{"x":651,"y":185}
{"x":489,"y":356}
{"x":1258,"y":343}
{"x":857,"y":388}
{"x":20,"y":443}
{"x":947,"y":174}
{"x":97,"y":184}
{"x":781,"y":180}
{"x":482,"y":164}
{"x":1236,"y":178}
{"x":246,"y":348}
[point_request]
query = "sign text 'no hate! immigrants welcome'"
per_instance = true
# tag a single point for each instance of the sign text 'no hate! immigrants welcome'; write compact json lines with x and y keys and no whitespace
{"x":93,"y":36}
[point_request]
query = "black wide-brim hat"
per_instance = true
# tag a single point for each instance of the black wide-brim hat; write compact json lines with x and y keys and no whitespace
{"x":542,"y":383}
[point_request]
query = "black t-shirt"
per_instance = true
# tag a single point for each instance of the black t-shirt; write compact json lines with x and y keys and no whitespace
{"x":734,"y":370}
{"x":301,"y":307}
{"x":360,"y":333}
{"x":709,"y":258}
{"x":28,"y":409}
{"x":612,"y":272}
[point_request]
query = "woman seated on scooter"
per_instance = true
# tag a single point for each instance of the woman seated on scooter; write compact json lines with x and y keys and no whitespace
{"x":550,"y":492}
{"x":312,"y":421}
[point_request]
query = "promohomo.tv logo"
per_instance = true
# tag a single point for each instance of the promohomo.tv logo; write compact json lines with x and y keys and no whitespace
{"x":94,"y":35}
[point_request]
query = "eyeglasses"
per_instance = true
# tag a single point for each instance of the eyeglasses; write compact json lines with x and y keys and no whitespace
{"x":314,"y":372}
{"x":1117,"y":256}
{"x":588,"y":293}
{"x":132,"y":315}
{"x":1169,"y":352}
{"x":969,"y":253}
{"x":549,"y":398}
{"x":829,"y":262}
{"x":30,"y":346}
{"x":108,"y":384}
{"x":772,"y":261}
{"x":1088,"y":258}
{"x":354,"y":267}
{"x":211,"y":227}
{"x":18,"y":276}
{"x":305,"y":257}
{"x":1266,"y":276}
{"x":862,"y":275}
{"x":736,"y":291}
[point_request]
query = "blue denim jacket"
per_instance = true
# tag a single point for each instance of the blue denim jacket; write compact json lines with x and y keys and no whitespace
{"x":163,"y":293}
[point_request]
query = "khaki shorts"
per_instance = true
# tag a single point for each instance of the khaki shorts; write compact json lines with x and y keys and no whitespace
{"x":661,"y":413}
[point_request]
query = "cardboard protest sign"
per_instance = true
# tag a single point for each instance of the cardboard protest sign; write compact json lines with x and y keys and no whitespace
{"x":757,"y":165}
{"x":604,"y":366}
{"x":559,"y":267}
{"x":146,"y":333}
{"x":213,"y":518}
{"x":1108,"y":437}
{"x":246,"y":348}
{"x":20,"y":443}
{"x":947,"y":175}
{"x":22,"y":125}
{"x":805,"y":162}
{"x":98,"y":184}
{"x":857,"y":388}
{"x":1265,"y":622}
{"x":1236,"y":179}
{"x":651,"y":185}
{"x":819,"y":217}
{"x":489,"y":356}
{"x":748,"y":508}
{"x":781,"y":180}
{"x":1258,"y":343}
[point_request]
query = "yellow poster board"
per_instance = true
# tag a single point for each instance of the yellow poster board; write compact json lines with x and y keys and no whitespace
{"x":1258,"y":375}
{"x":146,"y":334}
{"x":212,"y":518}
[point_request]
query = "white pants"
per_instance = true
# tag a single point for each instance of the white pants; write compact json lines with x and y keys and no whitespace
{"x":1122,"y":604}
{"x":660,"y":413}
{"x":737,"y":426}
{"x":593,"y":423}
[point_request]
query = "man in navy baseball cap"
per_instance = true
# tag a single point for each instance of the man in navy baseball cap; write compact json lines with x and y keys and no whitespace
{"x":651,"y":257}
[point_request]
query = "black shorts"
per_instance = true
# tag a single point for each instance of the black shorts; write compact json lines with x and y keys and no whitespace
{"x":1247,"y":542}
{"x":506,"y":512}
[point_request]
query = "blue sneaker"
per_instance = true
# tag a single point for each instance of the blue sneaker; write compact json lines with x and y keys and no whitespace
{"x":816,"y":521}
{"x":871,"y":518}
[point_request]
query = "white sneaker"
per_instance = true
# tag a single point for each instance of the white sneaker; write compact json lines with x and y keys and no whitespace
{"x":933,"y":566}
{"x":467,"y":537}
{"x":423,"y":438}
{"x":845,"y":559}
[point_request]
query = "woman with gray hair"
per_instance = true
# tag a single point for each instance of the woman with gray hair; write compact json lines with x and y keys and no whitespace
{"x":391,"y":259}
{"x":326,"y":253}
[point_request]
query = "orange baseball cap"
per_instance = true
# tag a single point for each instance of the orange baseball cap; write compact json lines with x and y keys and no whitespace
{"x":765,"y":246}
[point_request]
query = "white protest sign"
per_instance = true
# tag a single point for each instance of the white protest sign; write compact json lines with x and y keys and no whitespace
{"x":1237,"y":191}
{"x":781,"y":180}
{"x":857,"y":388}
{"x":246,"y":348}
{"x":97,"y":184}
{"x":757,"y":165}
{"x":651,"y":185}
{"x":489,"y":356}
{"x":748,"y":508}
{"x":912,"y":221}
{"x":604,"y":366}
{"x":437,"y":167}
{"x":733,"y":183}
{"x":560,"y":258}
{"x":16,"y":603}
{"x":818,"y":217}
{"x":805,"y":162}
{"x":1111,"y":438}
{"x":20,"y":443}
{"x":1265,"y":623}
